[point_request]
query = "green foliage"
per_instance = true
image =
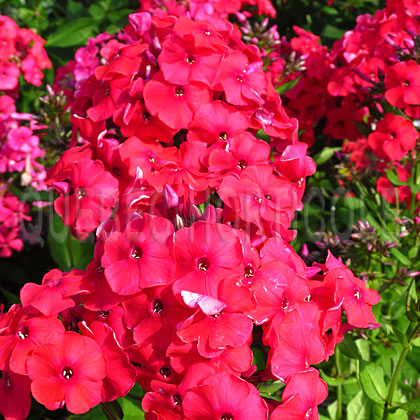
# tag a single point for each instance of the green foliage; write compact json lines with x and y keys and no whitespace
{"x":65,"y":249}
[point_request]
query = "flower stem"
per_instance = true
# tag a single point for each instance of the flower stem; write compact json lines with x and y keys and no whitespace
{"x":397,"y":372}
{"x":339,"y":387}
{"x":394,"y":381}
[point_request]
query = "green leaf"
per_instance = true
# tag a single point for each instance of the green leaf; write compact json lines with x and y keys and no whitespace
{"x":329,"y":10}
{"x":364,"y":349}
{"x":259,"y":358}
{"x":332,"y":32}
{"x":359,"y":408}
{"x":332,"y":409}
{"x":325,"y":155}
{"x":412,"y":406}
{"x":373,"y":383}
{"x":352,"y":203}
{"x":412,"y":252}
{"x":287,"y":86}
{"x":29,"y":194}
{"x":262,"y":136}
{"x":400,"y":257}
{"x":400,"y":336}
{"x":378,"y":412}
{"x":349,"y":348}
{"x":131,"y":409}
{"x":393,"y":178}
{"x":270,"y":389}
{"x":112,"y":410}
{"x":72,"y":33}
{"x":66,"y":250}
{"x":97,"y":12}
{"x":330,"y":380}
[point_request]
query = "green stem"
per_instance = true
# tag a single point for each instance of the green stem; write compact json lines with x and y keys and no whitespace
{"x":394,"y":381}
{"x":397,"y":373}
{"x":70,"y":249}
{"x":109,"y":413}
{"x":339,"y":387}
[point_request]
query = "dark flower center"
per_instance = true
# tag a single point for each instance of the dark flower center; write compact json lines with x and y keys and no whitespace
{"x":81,"y":193}
{"x":226,"y":417}
{"x":104,"y":314}
{"x":203,"y":264}
{"x":248,"y":272}
{"x":165,"y":372}
{"x":268,"y":197}
{"x":223,"y":136}
{"x":67,"y":373}
{"x":23,"y":333}
{"x":177,"y":399}
{"x":179,"y":91}
{"x":242,"y":164}
{"x":146,"y":116}
{"x":406,"y":83}
{"x":190,"y":59}
{"x":136,"y":253}
{"x":157,"y":306}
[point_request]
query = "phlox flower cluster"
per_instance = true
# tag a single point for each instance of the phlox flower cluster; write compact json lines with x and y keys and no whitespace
{"x":21,"y":52}
{"x":192,"y":269}
{"x":375,"y":65}
{"x":211,"y":11}
{"x":20,"y":148}
{"x":98,"y":50}
{"x":12,"y":214}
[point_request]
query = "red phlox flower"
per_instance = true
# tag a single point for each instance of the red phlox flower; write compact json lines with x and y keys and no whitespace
{"x":154,"y":315}
{"x":393,"y":138}
{"x":204,"y":254}
{"x":222,"y":321}
{"x":69,"y":370}
{"x":9,"y":73}
{"x":390,"y":192}
{"x":182,"y":62}
{"x":259,"y":195}
{"x":120,"y":374}
{"x":217,"y":121}
{"x":185,"y":175}
{"x":303,"y":393}
{"x":88,"y":198}
{"x":224,"y":396}
{"x":402,"y":84}
{"x":277,"y":288}
{"x":135,"y":120}
{"x":28,"y":335}
{"x":140,"y":256}
{"x":243,"y":82}
{"x":56,"y":292}
{"x":294,"y":164}
{"x":15,"y":396}
{"x":242,"y":150}
{"x":149,"y":157}
{"x":298,"y":341}
{"x":356,"y":297}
